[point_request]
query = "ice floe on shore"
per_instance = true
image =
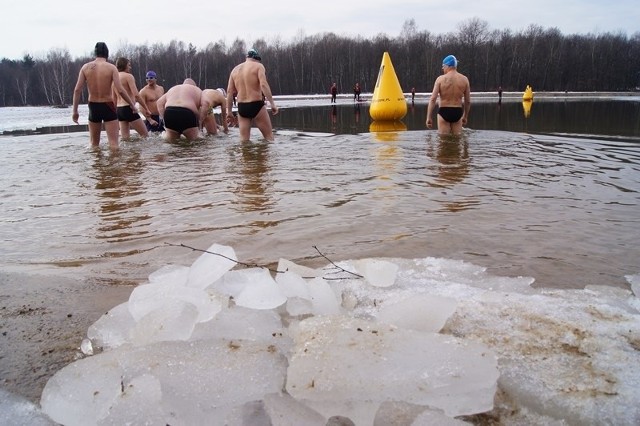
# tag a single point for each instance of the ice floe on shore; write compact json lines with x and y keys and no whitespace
{"x":372,"y":341}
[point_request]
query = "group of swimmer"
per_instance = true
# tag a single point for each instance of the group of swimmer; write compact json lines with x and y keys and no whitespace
{"x":186,"y":110}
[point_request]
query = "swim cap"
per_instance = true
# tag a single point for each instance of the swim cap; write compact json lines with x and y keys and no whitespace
{"x":450,"y":61}
{"x":102,"y":51}
{"x":253,"y":54}
{"x":151,"y":74}
{"x":221,"y":90}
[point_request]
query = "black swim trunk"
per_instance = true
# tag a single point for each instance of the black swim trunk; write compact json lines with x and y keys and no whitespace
{"x":125,"y":113}
{"x":179,"y":119}
{"x":451,"y":114}
{"x":250,"y":109}
{"x":102,"y":111}
{"x":154,"y":127}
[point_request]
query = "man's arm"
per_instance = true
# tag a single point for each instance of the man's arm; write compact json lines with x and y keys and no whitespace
{"x":160,"y":104}
{"x":266,"y":90}
{"x":205,"y":105}
{"x":131,"y":82}
{"x":231,"y":88}
{"x":223,"y":114}
{"x":432,"y":102}
{"x":77,"y":92}
{"x":467,"y":102}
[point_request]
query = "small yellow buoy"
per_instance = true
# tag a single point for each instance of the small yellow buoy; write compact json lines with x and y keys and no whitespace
{"x":528,"y":94}
{"x":388,"y":102}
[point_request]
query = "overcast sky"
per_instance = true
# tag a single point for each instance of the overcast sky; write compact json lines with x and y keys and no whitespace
{"x":36,"y":26}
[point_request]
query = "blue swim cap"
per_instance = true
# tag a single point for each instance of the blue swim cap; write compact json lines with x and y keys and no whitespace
{"x":450,"y":61}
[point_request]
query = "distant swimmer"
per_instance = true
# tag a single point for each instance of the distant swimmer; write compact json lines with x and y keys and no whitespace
{"x":180,"y":108}
{"x":100,"y":76}
{"x":212,"y":98}
{"x":455,"y":99}
{"x":334,"y":93}
{"x":249,"y":80}
{"x":126,"y":117}
{"x":151,"y":93}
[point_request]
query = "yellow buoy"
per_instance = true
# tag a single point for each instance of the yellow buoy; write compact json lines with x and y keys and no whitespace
{"x":528,"y":94}
{"x":388,"y":102}
{"x":526,"y":108}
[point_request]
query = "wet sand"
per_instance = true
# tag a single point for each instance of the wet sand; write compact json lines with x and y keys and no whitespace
{"x":39,"y":337}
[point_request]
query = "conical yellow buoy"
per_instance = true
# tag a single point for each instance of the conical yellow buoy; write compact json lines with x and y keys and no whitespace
{"x":388,"y":102}
{"x":528,"y":94}
{"x":526,"y":107}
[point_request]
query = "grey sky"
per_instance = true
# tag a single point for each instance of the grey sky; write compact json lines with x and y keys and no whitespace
{"x":36,"y":26}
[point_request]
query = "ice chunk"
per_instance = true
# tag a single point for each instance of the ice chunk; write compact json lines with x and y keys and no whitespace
{"x":431,"y":417}
{"x":176,"y":274}
{"x":200,"y":380}
{"x":397,"y":412}
{"x":242,"y":323}
{"x":17,"y":410}
{"x":113,"y":328}
{"x":634,"y":280}
{"x":378,"y":272}
{"x":421,"y":312}
{"x":150,"y":297}
{"x":343,"y":359}
{"x":293,"y":285}
{"x":140,"y":400}
{"x":261,"y":291}
{"x":285,"y":410}
{"x":323,"y":298}
{"x":302,"y":271}
{"x":86,"y":347}
{"x":209,"y":267}
{"x":172,"y":321}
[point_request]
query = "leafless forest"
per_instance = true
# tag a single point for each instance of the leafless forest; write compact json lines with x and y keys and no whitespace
{"x":544,"y":58}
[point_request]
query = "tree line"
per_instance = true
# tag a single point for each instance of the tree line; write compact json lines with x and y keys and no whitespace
{"x":541,"y":57}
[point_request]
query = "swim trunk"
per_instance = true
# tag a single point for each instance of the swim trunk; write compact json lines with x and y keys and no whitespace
{"x":451,"y":114}
{"x":154,"y":128}
{"x":102,"y":111}
{"x":125,"y":113}
{"x":179,"y":119}
{"x":250,"y":109}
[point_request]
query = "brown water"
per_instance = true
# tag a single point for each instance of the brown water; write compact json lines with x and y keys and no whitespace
{"x":77,"y":224}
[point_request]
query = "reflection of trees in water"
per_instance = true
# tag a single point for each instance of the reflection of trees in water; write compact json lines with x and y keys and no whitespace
{"x":119,"y":186}
{"x":253,"y":190}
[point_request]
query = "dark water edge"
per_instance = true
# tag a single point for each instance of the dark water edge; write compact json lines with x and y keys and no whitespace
{"x":593,"y":114}
{"x":576,"y":117}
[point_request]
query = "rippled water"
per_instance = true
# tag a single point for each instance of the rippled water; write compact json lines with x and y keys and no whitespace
{"x":563,"y":210}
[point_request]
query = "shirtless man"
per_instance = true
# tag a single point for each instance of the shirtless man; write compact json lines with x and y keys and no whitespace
{"x":210,"y":99}
{"x":249,"y":80}
{"x":181,"y":110}
{"x":126,"y":117}
{"x":100,"y":76}
{"x":452,"y":87}
{"x":150,"y":94}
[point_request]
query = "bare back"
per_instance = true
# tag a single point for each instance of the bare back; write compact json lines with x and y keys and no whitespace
{"x":213,"y":98}
{"x":129,"y":84}
{"x":452,"y":87}
{"x":247,"y":80}
{"x":183,"y":95}
{"x":99,"y":75}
